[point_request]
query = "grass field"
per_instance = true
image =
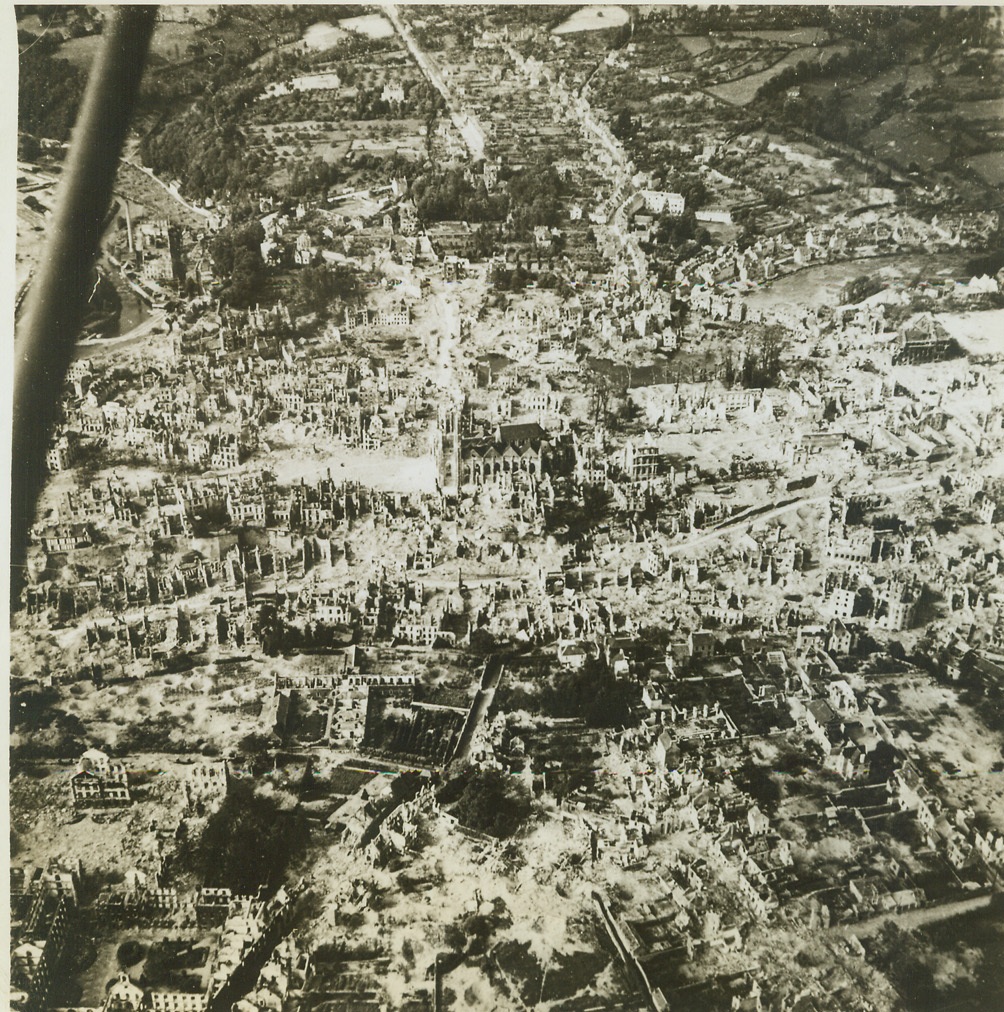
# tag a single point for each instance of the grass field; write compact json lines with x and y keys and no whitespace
{"x":589,"y":19}
{"x":743,"y":91}
{"x":989,"y":167}
{"x":905,"y":139}
{"x":695,"y":44}
{"x":793,"y":36}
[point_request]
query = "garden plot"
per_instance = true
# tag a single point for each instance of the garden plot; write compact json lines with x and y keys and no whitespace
{"x":906,"y":139}
{"x":335,"y":138}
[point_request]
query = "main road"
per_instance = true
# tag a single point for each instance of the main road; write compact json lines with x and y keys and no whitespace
{"x":465,"y":123}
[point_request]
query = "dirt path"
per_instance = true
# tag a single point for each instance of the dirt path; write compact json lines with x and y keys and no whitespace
{"x":818,"y":500}
{"x":916,"y":918}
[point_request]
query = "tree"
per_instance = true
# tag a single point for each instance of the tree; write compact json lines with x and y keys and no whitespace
{"x":569,"y":519}
{"x":594,"y":695}
{"x":760,"y":785}
{"x":317,"y":287}
{"x":248,"y":842}
{"x":130,"y":952}
{"x":861,"y":287}
{"x":762,"y":365}
{"x":405,"y":787}
{"x":49,"y":89}
{"x":237,"y":255}
{"x":623,"y":126}
{"x":492,"y":802}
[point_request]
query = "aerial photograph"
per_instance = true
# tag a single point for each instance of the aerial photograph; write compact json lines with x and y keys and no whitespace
{"x":507,"y":508}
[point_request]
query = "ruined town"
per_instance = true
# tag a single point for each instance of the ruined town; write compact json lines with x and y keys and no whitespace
{"x":525,"y":524}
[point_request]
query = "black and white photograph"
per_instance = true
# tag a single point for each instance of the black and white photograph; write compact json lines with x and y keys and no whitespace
{"x":506,"y":508}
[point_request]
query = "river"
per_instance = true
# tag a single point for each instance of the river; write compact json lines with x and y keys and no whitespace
{"x":134,"y":311}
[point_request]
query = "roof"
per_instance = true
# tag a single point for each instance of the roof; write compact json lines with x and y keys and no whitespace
{"x":822,"y":711}
{"x":521,"y":433}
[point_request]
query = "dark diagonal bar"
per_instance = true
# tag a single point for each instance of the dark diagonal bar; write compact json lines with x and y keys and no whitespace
{"x":44,"y":343}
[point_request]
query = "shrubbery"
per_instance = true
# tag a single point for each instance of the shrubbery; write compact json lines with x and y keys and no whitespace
{"x":249,"y":842}
{"x":489,"y":801}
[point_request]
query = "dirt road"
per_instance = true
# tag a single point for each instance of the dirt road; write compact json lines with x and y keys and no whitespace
{"x":916,"y":918}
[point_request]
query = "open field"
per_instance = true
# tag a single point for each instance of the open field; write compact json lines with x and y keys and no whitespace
{"x":588,"y":19}
{"x":743,"y":91}
{"x":32,"y":225}
{"x":823,"y":283}
{"x":979,"y":333}
{"x":695,"y":44}
{"x":794,"y":36}
{"x":46,"y":825}
{"x":905,"y":139}
{"x":989,"y":167}
{"x":375,"y":26}
{"x":956,"y":745}
{"x":379,"y":470}
{"x":81,"y":52}
{"x":171,"y":39}
{"x":323,"y":36}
